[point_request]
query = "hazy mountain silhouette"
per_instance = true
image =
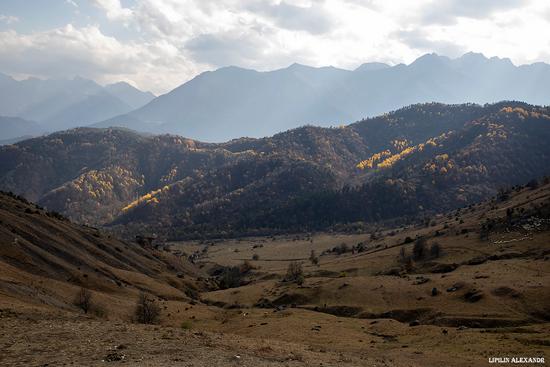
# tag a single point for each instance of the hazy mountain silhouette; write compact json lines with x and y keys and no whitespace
{"x":232,"y":102}
{"x":93,"y":108}
{"x":63,"y":103}
{"x":131,"y":96}
{"x":12,"y":129}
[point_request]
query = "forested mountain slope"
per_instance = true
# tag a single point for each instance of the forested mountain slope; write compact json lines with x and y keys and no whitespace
{"x":423,"y":157}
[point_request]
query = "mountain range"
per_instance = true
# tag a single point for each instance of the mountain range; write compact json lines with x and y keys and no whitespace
{"x":232,"y":102}
{"x":58,"y":104}
{"x":422,"y":159}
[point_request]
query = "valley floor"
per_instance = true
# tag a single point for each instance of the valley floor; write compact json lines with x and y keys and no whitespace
{"x":36,"y":339}
{"x":477,"y":299}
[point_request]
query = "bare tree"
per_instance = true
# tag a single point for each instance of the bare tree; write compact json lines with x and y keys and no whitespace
{"x":147,"y":310}
{"x":313,"y":258}
{"x":435,"y":250}
{"x":402,"y":255}
{"x":295,"y":273}
{"x":83,"y":300}
{"x":419,"y":248}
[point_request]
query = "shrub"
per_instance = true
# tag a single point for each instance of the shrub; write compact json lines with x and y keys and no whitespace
{"x":342,"y":249}
{"x":409,"y":264}
{"x":435,"y":250}
{"x":533,"y":184}
{"x":361,"y":247}
{"x":503,"y":194}
{"x":419,"y":249}
{"x":147,"y":310}
{"x":484,"y":232}
{"x":231,"y":277}
{"x":246,"y":267}
{"x":402,"y":255}
{"x":186,"y":325}
{"x":255,"y":257}
{"x":99,"y":311}
{"x":313,"y":258}
{"x":83,"y":300}
{"x":295,"y":273}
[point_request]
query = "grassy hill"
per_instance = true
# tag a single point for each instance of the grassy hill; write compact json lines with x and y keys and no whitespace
{"x":45,"y":259}
{"x":368,"y":298}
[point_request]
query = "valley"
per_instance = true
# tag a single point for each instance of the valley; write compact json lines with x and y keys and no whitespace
{"x":360,"y":299}
{"x":343,"y":183}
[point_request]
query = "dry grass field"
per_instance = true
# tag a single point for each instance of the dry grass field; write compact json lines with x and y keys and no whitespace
{"x":371,"y":305}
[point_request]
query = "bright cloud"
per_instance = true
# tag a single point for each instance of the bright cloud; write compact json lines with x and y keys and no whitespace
{"x":113,"y":9}
{"x":8,"y":19}
{"x":166,"y":42}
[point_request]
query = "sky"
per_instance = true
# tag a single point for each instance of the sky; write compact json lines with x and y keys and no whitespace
{"x":157,"y":45}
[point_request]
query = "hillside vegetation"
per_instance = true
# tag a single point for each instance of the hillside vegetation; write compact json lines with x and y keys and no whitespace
{"x":452,"y":290}
{"x":421,"y":159}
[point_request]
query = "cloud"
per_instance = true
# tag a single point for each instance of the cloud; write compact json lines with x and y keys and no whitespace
{"x":113,"y":9}
{"x":447,"y":11}
{"x":62,"y":51}
{"x":157,"y":44}
{"x":70,"y":51}
{"x":8,"y":19}
{"x":225,"y":49}
{"x":422,"y":40}
{"x":312,"y":18}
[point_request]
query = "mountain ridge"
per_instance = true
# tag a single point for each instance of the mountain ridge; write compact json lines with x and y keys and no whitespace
{"x":231,"y":101}
{"x":58,"y":104}
{"x":304,"y":178}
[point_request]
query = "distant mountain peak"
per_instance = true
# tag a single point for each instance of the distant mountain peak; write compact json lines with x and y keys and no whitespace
{"x":429,"y":59}
{"x":473,"y":55}
{"x":296,"y":65}
{"x":372,"y":66}
{"x":233,"y":68}
{"x":121,"y":84}
{"x":502,"y":60}
{"x":5,"y":77}
{"x":125,"y":86}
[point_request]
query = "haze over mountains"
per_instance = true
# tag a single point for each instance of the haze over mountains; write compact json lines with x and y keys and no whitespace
{"x":232,"y":102}
{"x":57,"y":104}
